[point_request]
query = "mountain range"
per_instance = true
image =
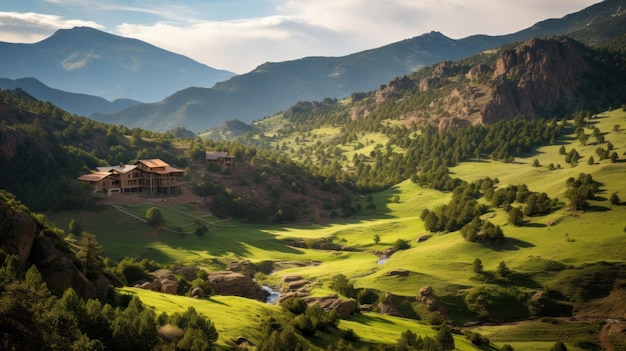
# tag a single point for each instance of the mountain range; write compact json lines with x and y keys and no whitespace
{"x":273,"y":87}
{"x":80,"y":104}
{"x":88,"y":61}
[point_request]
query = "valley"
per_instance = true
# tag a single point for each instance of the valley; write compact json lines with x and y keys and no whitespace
{"x":392,"y":199}
{"x":542,"y":252}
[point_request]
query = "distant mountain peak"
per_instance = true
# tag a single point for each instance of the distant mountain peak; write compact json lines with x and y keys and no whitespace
{"x":90,"y":61}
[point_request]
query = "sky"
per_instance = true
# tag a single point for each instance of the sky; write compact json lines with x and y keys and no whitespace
{"x":238,"y":35}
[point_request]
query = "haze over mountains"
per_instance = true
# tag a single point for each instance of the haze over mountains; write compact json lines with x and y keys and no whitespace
{"x":269,"y":88}
{"x":86,"y":60}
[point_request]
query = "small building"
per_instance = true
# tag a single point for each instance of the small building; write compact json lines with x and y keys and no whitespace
{"x":152,"y":176}
{"x":221,"y":158}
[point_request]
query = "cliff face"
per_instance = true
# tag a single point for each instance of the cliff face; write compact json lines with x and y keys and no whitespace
{"x":535,"y":78}
{"x":23,"y":236}
{"x":538,"y":78}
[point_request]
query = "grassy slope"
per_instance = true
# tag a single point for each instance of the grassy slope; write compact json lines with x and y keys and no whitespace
{"x":444,"y":261}
{"x":371,"y":327}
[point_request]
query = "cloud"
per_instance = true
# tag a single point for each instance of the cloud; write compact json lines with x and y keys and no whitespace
{"x":288,"y":29}
{"x":30,"y":27}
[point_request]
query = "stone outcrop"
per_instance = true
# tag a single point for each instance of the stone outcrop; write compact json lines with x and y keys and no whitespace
{"x":427,"y":297}
{"x":236,"y":284}
{"x":538,"y":78}
{"x":535,"y":78}
{"x":293,"y":283}
{"x":169,"y":286}
{"x":246,"y":268}
{"x":392,"y":305}
{"x":345,"y":308}
{"x":17,"y":232}
{"x":197,"y":293}
{"x":22,"y":236}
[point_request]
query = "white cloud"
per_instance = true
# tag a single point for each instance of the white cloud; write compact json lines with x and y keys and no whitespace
{"x":295,"y":28}
{"x":29,"y":27}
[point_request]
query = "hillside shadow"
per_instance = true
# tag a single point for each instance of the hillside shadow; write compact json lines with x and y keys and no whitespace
{"x":534,"y":225}
{"x":368,"y":319}
{"x":596,"y":208}
{"x":511,"y":244}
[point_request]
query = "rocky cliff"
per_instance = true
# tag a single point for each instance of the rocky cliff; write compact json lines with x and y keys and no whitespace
{"x":538,"y":78}
{"x":25,"y":236}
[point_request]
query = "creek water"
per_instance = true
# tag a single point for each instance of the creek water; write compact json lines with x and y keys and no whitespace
{"x":271,"y":294}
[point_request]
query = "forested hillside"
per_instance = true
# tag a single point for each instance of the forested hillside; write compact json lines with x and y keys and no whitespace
{"x":472,"y":205}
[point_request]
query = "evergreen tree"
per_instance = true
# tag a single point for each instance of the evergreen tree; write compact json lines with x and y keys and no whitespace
{"x":516,"y":217}
{"x":89,"y":254}
{"x":503,"y":270}
{"x":444,"y":337}
{"x":559,"y":346}
{"x":477,"y":266}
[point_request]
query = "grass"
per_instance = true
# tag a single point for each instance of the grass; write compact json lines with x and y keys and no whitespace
{"x":539,"y":254}
{"x":229,"y":313}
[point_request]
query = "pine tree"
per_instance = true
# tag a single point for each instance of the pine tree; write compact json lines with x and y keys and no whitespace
{"x":503,"y":269}
{"x":444,"y":337}
{"x":477,"y":266}
{"x":89,"y":254}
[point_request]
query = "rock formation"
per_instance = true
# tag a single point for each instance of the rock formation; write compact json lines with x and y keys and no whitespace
{"x":345,"y":308}
{"x":236,"y":284}
{"x":32,"y":243}
{"x":535,"y":78}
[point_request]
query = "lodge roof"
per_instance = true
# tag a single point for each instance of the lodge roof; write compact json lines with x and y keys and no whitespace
{"x":215,"y":155}
{"x":153,"y":163}
{"x":122,"y":168}
{"x":94,"y":177}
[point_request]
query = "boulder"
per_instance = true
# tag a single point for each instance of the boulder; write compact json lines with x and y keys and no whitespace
{"x":345,"y":308}
{"x":22,"y":236}
{"x":147,"y":286}
{"x":156,"y":284}
{"x":169,"y":286}
{"x":288,"y":295}
{"x":235,"y":284}
{"x":398,"y":273}
{"x":423,"y":238}
{"x":426,"y":290}
{"x":163,"y":274}
{"x":246,"y":268}
{"x":17,"y":232}
{"x":291,"y":283}
{"x":197,"y":292}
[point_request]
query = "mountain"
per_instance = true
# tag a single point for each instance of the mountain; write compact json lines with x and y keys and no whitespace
{"x":273,"y":87}
{"x":606,"y":15}
{"x":92,"y":62}
{"x":80,"y":104}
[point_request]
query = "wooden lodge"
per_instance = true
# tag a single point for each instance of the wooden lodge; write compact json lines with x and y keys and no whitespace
{"x":220,"y":158}
{"x":151,"y":176}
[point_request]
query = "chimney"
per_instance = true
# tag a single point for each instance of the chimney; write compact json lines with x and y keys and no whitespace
{"x":121,"y":165}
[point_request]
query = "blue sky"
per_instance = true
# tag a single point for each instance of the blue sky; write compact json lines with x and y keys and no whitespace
{"x":239,"y":35}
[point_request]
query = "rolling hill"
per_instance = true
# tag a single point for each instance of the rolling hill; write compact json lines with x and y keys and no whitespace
{"x":80,"y":104}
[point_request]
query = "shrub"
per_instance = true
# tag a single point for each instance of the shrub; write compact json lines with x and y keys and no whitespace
{"x":304,"y":324}
{"x":350,"y":335}
{"x":401,"y":244}
{"x":154,"y":216}
{"x":294,"y":305}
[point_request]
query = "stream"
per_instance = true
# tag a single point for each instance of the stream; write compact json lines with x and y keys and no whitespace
{"x":271,"y":294}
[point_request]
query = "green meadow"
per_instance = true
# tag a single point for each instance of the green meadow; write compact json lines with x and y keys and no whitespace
{"x":444,"y":261}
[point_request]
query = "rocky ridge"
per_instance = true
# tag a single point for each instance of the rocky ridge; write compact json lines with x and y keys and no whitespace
{"x":33,"y":243}
{"x":540,"y":77}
